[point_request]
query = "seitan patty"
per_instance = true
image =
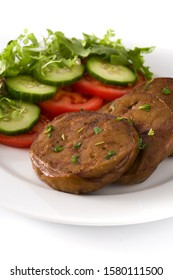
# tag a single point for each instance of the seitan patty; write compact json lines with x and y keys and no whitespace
{"x":161,"y":87}
{"x":153,"y":119}
{"x":82,"y":152}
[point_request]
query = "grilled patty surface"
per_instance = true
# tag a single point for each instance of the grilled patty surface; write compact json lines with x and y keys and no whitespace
{"x":82,"y":152}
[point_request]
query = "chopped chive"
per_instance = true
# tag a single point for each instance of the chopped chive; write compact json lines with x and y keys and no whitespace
{"x":77,"y":145}
{"x":146,"y":107}
{"x":129,"y":120}
{"x":141,"y":144}
{"x":74,"y":159}
{"x":97,"y":130}
{"x":99,"y":143}
{"x":49,"y":129}
{"x":166,"y":90}
{"x":151,"y":132}
{"x":119,"y":118}
{"x":80,"y":129}
{"x":58,"y":149}
{"x":110,"y":154}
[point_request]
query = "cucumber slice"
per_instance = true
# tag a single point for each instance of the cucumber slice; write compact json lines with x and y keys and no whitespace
{"x":27,"y":88}
{"x":54,"y":75}
{"x":110,"y":73}
{"x":17,"y":117}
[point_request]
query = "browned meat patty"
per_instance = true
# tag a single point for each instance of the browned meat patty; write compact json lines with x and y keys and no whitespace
{"x":81,"y":152}
{"x":153,"y":120}
{"x":161,"y":87}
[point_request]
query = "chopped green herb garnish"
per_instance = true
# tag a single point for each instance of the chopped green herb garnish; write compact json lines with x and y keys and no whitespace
{"x":99,"y":143}
{"x":122,"y":118}
{"x":48,"y":130}
{"x":141,"y":144}
{"x":166,"y":90}
{"x":146,"y":107}
{"x":119,"y":118}
{"x":97,"y":130}
{"x":75,"y":159}
{"x":110,"y":154}
{"x":130,"y":120}
{"x":77,"y":145}
{"x":58,"y":149}
{"x":80,"y":129}
{"x":151,"y":132}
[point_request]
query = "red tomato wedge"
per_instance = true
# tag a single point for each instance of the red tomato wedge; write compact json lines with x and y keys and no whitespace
{"x":26,"y":139}
{"x":91,"y":86}
{"x":67,"y":101}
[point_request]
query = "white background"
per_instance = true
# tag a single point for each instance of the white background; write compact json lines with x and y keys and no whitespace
{"x":26,"y":242}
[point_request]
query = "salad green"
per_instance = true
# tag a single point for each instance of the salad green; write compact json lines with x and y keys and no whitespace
{"x":27,"y":52}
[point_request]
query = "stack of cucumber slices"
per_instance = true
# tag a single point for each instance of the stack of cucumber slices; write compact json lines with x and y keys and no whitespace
{"x":19,"y":113}
{"x":43,"y":86}
{"x":26,"y":90}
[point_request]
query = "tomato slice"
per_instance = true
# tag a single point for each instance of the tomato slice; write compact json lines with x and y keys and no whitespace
{"x":66,"y":100}
{"x":91,"y":86}
{"x":26,"y":139}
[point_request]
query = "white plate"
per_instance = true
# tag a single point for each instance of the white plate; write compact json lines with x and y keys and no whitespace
{"x":22,"y":191}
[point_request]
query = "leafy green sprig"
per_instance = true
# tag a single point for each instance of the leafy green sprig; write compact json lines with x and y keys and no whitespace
{"x":10,"y":109}
{"x":26,"y":52}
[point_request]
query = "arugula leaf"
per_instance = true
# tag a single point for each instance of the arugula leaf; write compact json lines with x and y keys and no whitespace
{"x":26,"y":52}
